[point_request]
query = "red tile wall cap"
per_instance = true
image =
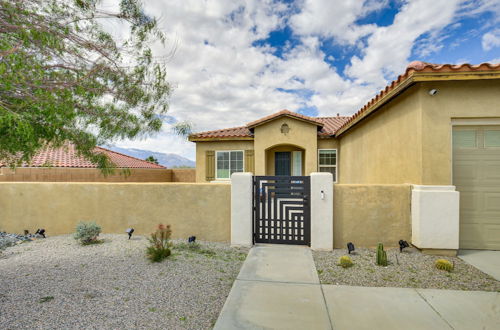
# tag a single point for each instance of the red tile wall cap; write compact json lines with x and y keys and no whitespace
{"x":419,"y":66}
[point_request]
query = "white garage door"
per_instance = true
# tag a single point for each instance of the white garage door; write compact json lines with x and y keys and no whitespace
{"x":476,"y":173}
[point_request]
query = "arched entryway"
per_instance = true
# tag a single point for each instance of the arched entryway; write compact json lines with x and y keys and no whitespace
{"x":285,"y":160}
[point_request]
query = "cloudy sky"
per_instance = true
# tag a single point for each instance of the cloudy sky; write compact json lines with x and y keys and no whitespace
{"x":233,"y":61}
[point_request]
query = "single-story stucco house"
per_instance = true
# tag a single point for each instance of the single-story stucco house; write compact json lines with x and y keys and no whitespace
{"x":436,"y":125}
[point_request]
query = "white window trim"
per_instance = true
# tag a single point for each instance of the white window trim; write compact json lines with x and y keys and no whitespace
{"x":217,"y":160}
{"x":335,"y":166}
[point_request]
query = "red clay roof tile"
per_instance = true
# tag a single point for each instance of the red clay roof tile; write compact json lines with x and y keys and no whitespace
{"x":67,"y":156}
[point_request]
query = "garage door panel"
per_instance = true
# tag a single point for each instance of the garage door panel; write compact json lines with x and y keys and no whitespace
{"x":476,"y":174}
{"x":492,"y":202}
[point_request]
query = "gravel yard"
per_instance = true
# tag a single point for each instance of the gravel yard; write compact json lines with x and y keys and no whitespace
{"x":57,"y":283}
{"x":410,"y":269}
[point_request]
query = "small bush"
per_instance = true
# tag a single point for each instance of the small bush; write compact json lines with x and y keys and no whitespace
{"x":87,"y":232}
{"x":444,"y":264}
{"x":160,"y":244}
{"x":345,"y":262}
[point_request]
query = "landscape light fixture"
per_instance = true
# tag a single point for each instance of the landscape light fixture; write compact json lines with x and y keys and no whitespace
{"x":129,"y":231}
{"x":40,"y":232}
{"x":191,"y":239}
{"x":402,"y":245}
{"x":350,"y":247}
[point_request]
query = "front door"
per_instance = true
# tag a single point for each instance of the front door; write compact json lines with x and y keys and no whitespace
{"x":282,"y":163}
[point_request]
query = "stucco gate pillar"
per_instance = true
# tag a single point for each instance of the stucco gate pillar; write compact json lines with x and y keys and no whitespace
{"x":322,"y":211}
{"x":241,"y":209}
{"x":435,"y":219}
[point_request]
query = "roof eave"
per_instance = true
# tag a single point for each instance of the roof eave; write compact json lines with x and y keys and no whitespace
{"x":229,"y":138}
{"x":414,"y":78}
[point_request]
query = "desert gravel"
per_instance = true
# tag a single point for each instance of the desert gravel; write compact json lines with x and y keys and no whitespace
{"x":410,"y":269}
{"x":55,"y":283}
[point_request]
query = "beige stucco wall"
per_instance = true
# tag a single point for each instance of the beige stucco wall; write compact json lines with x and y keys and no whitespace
{"x":196,"y":209}
{"x":369,"y":214}
{"x":202,"y":147}
{"x":455,"y":99}
{"x":57,"y":174}
{"x":301,"y":134}
{"x":183,"y":174}
{"x":386,"y":147}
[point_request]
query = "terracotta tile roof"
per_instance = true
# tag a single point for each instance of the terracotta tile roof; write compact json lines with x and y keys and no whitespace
{"x":329,"y":126}
{"x":233,"y":132}
{"x":67,"y":156}
{"x":281,"y":113}
{"x":420,"y":67}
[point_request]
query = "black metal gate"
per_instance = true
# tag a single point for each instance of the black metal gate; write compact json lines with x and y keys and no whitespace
{"x":282,"y":213}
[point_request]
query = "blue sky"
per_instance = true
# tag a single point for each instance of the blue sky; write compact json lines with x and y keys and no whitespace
{"x":238,"y":60}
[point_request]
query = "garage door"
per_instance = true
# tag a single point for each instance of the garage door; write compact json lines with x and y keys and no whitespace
{"x":476,"y":174}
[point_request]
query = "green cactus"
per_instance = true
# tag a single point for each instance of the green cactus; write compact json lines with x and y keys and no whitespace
{"x":444,"y":264}
{"x":381,"y":255}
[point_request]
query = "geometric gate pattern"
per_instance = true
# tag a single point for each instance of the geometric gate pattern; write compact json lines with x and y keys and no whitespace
{"x":282,"y":212}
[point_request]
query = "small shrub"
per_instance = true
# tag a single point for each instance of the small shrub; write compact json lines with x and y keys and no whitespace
{"x":87,"y":232}
{"x":160,"y":244}
{"x":345,"y":262}
{"x":444,"y":264}
{"x":45,"y":299}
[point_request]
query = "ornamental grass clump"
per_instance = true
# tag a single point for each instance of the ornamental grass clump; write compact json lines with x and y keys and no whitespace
{"x":160,"y":244}
{"x":87,"y":233}
{"x":444,"y":264}
{"x":345,"y":262}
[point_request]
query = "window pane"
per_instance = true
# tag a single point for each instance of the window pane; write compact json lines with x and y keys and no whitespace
{"x":328,"y":157}
{"x":332,"y":170}
{"x":236,"y":162}
{"x":492,"y":138}
{"x":223,"y":165}
{"x":464,"y":139}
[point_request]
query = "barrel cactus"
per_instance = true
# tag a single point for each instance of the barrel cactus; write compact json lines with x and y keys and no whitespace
{"x":444,"y":264}
{"x":345,"y":262}
{"x":381,"y":255}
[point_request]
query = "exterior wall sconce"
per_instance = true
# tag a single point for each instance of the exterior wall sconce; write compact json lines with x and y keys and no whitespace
{"x":285,"y":129}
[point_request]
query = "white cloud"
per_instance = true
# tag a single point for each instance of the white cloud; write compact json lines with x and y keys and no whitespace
{"x":223,"y":79}
{"x":491,"y":40}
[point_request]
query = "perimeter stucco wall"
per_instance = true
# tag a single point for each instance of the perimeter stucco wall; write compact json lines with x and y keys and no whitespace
{"x":301,"y":134}
{"x":370,"y":214}
{"x":56,"y":174}
{"x":454,"y":100}
{"x":202,"y":210}
{"x":385,"y":148}
{"x":202,"y":147}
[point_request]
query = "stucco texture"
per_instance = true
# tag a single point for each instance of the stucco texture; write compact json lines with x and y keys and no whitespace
{"x":370,"y":214}
{"x":302,"y":135}
{"x":203,"y":147}
{"x":202,"y":210}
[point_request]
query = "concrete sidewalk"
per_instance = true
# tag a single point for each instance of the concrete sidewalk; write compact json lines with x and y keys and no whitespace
{"x":278,"y":288}
{"x":486,"y":261}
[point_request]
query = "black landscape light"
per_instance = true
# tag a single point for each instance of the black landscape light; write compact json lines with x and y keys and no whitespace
{"x":26,"y":232}
{"x":402,"y":245}
{"x":40,"y":232}
{"x":192,"y":239}
{"x":129,"y":231}
{"x":350,"y":247}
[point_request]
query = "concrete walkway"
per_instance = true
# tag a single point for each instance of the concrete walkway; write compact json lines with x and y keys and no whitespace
{"x":486,"y":261}
{"x":278,"y":288}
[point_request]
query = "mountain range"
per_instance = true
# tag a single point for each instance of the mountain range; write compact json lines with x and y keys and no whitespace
{"x":169,"y":160}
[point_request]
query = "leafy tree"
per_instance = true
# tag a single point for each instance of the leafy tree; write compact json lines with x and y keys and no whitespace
{"x":65,"y":78}
{"x":151,"y":159}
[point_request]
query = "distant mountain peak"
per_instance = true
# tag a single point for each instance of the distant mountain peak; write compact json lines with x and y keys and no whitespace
{"x":169,"y":160}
